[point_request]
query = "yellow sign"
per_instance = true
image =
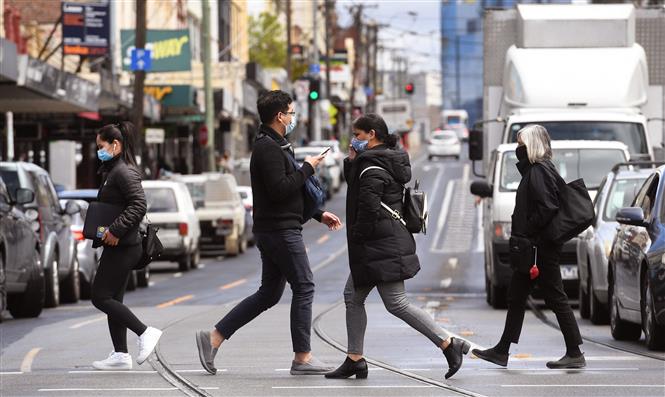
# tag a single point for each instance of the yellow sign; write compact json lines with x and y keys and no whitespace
{"x":159,"y":92}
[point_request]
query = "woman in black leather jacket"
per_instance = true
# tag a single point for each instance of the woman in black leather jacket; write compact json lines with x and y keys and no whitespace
{"x":536,"y":204}
{"x":122,"y":245}
{"x":382,"y":252}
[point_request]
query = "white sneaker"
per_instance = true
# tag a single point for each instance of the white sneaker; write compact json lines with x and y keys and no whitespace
{"x":147,"y":343}
{"x":114,"y":362}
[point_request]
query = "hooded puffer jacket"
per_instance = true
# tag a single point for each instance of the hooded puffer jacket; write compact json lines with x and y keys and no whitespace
{"x":381,"y":249}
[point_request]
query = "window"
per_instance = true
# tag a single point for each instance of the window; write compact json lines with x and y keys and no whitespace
{"x":50,"y":193}
{"x":645,"y":198}
{"x":622,"y":193}
{"x":161,"y":200}
{"x":11,"y":181}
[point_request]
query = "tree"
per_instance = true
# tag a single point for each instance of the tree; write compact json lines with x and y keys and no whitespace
{"x":267,"y":45}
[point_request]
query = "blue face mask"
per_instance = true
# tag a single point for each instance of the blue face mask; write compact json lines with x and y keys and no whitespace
{"x":104,"y":155}
{"x":291,"y":126}
{"x":358,"y":145}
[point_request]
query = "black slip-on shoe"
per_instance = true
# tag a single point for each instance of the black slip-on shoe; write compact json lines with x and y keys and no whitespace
{"x":350,"y":368}
{"x":491,"y":356}
{"x":567,"y":362}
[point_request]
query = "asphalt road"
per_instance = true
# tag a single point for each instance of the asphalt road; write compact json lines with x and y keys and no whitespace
{"x":52,"y":355}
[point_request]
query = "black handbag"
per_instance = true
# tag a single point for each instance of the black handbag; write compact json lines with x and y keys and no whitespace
{"x":152,"y":247}
{"x":576,"y":212}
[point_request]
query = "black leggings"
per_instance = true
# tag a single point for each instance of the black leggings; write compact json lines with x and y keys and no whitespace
{"x":108,"y":290}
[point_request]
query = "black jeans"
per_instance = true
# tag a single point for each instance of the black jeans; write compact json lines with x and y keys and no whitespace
{"x":555,"y":298}
{"x":284,"y":259}
{"x":108,"y":290}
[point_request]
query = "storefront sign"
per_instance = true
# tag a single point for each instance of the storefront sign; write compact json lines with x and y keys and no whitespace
{"x":172,"y":95}
{"x":170,"y":49}
{"x":85,"y":29}
{"x":154,"y":135}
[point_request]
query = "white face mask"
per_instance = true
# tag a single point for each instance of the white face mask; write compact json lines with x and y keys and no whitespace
{"x":291,"y":126}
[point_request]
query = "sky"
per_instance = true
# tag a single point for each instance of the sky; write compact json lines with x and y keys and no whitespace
{"x":422,"y":50}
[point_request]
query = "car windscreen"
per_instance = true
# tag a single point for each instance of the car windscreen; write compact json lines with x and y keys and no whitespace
{"x":11,"y":181}
{"x":442,"y":136}
{"x":631,"y":134}
{"x":161,"y":199}
{"x":219,"y":190}
{"x":621,"y":195}
{"x":590,"y":164}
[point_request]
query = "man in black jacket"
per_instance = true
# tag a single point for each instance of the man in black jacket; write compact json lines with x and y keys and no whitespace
{"x":278,"y":189}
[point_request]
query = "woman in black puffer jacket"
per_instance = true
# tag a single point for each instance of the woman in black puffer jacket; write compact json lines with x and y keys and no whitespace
{"x":382,"y":252}
{"x":122,"y":245}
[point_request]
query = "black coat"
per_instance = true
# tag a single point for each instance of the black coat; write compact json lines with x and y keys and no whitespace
{"x":536,"y":201}
{"x":380,"y":248}
{"x":122,"y":187}
{"x":278,"y":188}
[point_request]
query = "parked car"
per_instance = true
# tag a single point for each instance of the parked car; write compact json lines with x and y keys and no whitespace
{"x":220,"y":212}
{"x":170,"y":207}
{"x":590,"y":160}
{"x":444,"y":143}
{"x":21,"y":271}
{"x":328,"y":170}
{"x":616,"y":191}
{"x":52,"y":223}
{"x":248,"y":202}
{"x":89,"y":257}
{"x":636,"y":268}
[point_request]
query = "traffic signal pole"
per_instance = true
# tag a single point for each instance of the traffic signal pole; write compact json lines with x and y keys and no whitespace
{"x":207,"y":87}
{"x":139,"y":82}
{"x":314,"y":114}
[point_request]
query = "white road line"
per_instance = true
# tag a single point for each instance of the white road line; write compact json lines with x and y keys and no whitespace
{"x":465,"y":173}
{"x":84,"y":323}
{"x":98,"y":372}
{"x":121,"y":389}
{"x":177,"y":275}
{"x":437,"y":182}
{"x":26,"y":365}
{"x":446,"y":282}
{"x":549,"y":371}
{"x":593,"y":385}
{"x":356,"y":387}
{"x":11,"y":373}
{"x":443,"y":215}
{"x":330,"y":259}
{"x":452,"y":262}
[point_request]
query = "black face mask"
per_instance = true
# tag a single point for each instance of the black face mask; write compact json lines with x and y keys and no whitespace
{"x":521,"y":153}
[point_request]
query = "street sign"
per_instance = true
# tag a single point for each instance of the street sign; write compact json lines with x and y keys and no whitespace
{"x":314,"y":68}
{"x":171,"y":49}
{"x":141,"y":60}
{"x":85,"y":29}
{"x":154,"y":135}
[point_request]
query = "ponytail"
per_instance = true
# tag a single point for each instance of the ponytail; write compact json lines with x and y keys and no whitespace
{"x":372,"y":121}
{"x":123,"y":132}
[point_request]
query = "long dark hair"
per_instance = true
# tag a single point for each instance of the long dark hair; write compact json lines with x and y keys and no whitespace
{"x":372,"y":121}
{"x":124,"y":132}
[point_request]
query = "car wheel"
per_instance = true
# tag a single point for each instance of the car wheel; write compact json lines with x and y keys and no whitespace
{"x":131,"y":281}
{"x":52,"y":283}
{"x":71,"y":287}
{"x":231,"y":246}
{"x":143,"y":277}
{"x":583,"y":296}
{"x":597,"y":311}
{"x":653,"y":333}
{"x":196,"y":258}
{"x":457,"y":157}
{"x":85,"y":286}
{"x":621,"y":330}
{"x":497,"y":297}
{"x":30,"y":302}
{"x":430,"y":157}
{"x":185,"y":262}
{"x":488,"y":291}
{"x":242,"y":245}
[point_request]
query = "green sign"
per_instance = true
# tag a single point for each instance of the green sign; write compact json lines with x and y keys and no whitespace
{"x":172,"y":95}
{"x":170,"y":49}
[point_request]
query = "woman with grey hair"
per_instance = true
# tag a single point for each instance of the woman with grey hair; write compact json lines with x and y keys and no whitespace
{"x":536,"y":203}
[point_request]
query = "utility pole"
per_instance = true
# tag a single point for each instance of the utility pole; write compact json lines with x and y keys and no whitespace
{"x":458,"y":82}
{"x":326,"y":9}
{"x":9,"y":118}
{"x":375,"y":59}
{"x":288,"y":41}
{"x":314,"y":115}
{"x":357,"y":22}
{"x":207,"y":86}
{"x":139,"y":80}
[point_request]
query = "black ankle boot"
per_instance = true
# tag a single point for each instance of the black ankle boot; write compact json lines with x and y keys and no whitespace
{"x":492,"y":356}
{"x":455,"y":355}
{"x":350,"y":368}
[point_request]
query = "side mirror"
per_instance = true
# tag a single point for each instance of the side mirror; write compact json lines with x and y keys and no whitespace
{"x":476,"y":145}
{"x":631,"y":216}
{"x":481,"y":188}
{"x":72,"y":208}
{"x":24,"y":196}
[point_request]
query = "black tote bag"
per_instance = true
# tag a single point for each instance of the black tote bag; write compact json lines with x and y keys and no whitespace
{"x":576,"y":212}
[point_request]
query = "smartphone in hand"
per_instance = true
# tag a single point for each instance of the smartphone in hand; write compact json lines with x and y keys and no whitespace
{"x":323,"y":153}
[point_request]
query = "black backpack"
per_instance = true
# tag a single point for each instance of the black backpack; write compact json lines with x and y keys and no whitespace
{"x":414,"y":206}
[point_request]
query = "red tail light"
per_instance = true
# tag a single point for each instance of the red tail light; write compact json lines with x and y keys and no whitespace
{"x":227,"y":222}
{"x":78,"y":235}
{"x":183,"y":228}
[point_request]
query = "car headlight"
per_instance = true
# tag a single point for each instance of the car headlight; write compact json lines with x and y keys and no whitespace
{"x":31,"y":214}
{"x":502,"y":230}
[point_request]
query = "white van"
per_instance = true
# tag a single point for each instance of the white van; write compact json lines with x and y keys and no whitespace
{"x":591,"y":160}
{"x":170,"y":208}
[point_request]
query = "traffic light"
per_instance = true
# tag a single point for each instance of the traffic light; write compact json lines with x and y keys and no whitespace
{"x":314,"y":89}
{"x":408,"y":88}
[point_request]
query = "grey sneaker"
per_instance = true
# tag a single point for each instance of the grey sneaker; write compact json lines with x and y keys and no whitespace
{"x":313,"y":367}
{"x":207,"y":353}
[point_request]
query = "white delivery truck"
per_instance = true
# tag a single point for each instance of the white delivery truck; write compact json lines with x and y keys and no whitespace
{"x":396,"y":113}
{"x":589,"y":72}
{"x":582,"y":72}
